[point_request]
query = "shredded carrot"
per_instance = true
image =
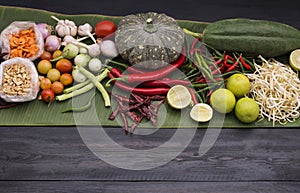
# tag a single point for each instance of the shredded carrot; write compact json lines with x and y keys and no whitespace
{"x":23,"y":44}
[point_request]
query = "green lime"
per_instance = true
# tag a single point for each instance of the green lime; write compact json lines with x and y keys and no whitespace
{"x":246,"y":110}
{"x":238,"y":84}
{"x":295,"y":59}
{"x":222,"y":100}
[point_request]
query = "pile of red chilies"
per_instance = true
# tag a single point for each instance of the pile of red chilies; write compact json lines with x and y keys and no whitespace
{"x":202,"y":76}
{"x":153,"y":85}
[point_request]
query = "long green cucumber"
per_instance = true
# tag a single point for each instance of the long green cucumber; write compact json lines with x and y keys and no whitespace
{"x":252,"y":37}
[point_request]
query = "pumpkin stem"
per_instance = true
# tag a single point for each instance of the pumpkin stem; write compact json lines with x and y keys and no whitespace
{"x":150,"y":27}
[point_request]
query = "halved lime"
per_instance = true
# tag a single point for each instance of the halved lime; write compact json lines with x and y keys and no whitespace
{"x":295,"y":59}
{"x":179,"y":97}
{"x":201,"y":112}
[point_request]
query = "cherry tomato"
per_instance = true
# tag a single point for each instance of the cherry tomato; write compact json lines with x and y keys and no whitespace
{"x":47,"y":95}
{"x":46,"y":56}
{"x":104,"y":28}
{"x":64,"y":65}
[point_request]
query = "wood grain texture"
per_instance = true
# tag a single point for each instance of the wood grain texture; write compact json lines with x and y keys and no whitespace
{"x":149,"y":187}
{"x":55,"y":159}
{"x":58,"y":153}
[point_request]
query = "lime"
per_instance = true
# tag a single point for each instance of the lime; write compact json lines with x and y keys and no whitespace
{"x":238,"y":84}
{"x":246,"y":110}
{"x":201,"y":112}
{"x":222,"y":100}
{"x":179,"y":97}
{"x":295,"y":59}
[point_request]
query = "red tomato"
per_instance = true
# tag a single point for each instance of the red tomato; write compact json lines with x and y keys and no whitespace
{"x":64,"y":65}
{"x":104,"y":28}
{"x":47,"y":95}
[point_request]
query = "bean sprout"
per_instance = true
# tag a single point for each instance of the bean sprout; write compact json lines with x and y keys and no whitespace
{"x":276,"y":88}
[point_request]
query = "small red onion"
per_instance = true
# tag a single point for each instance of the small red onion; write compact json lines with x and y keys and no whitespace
{"x":52,"y":43}
{"x":44,"y":29}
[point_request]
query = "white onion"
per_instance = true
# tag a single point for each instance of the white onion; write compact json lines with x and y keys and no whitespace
{"x":108,"y":48}
{"x":95,"y":64}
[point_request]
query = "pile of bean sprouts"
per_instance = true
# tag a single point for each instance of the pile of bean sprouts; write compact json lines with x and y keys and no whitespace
{"x":276,"y":88}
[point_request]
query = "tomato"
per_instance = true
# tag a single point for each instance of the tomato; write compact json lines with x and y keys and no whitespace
{"x":64,"y":65}
{"x":66,"y":79}
{"x":47,"y":95}
{"x":104,"y":28}
{"x":53,"y":74}
{"x":44,"y":66}
{"x":45,"y":83}
{"x":46,"y":56}
{"x":56,"y":53}
{"x":57,"y":87}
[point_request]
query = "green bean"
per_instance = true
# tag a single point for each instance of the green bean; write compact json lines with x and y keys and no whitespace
{"x":75,"y":92}
{"x":77,"y":86}
{"x":99,"y":86}
{"x":82,"y":108}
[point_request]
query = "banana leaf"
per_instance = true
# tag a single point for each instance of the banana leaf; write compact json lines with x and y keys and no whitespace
{"x":38,"y":113}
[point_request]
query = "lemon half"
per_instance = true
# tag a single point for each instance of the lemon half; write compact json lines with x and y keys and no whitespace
{"x":295,"y":59}
{"x":201,"y":112}
{"x":179,"y":97}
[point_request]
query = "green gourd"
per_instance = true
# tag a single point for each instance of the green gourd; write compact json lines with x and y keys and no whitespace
{"x":252,"y":37}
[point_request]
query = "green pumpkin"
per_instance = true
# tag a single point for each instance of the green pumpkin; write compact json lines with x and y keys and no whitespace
{"x":149,"y":40}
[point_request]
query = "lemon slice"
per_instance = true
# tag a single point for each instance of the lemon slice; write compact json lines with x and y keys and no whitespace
{"x":201,"y":112}
{"x":295,"y":59}
{"x":179,"y":97}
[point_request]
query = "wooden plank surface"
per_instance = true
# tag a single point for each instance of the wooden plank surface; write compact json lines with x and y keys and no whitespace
{"x":149,"y":187}
{"x":58,"y":153}
{"x":55,"y":159}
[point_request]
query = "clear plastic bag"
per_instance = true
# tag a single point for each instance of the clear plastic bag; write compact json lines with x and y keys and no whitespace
{"x":32,"y":90}
{"x":14,"y":28}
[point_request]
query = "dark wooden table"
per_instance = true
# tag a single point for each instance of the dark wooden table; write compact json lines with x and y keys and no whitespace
{"x":55,"y":159}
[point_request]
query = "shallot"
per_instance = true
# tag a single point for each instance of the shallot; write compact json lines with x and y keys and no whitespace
{"x":45,"y":29}
{"x":52,"y":43}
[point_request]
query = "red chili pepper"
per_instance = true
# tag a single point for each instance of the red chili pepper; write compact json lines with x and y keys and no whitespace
{"x":193,"y":95}
{"x":219,"y":61}
{"x":143,"y":91}
{"x":233,"y":66}
{"x":153,"y":75}
{"x":245,"y":65}
{"x":116,"y":72}
{"x":165,"y":83}
{"x":192,"y":52}
{"x":134,"y":70}
{"x":225,"y":62}
{"x":196,"y":40}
